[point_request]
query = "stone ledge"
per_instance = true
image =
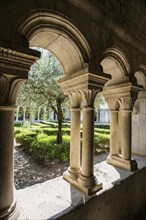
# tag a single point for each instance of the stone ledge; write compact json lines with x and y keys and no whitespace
{"x":130,"y":165}
{"x":55,"y":198}
{"x":74,"y":182}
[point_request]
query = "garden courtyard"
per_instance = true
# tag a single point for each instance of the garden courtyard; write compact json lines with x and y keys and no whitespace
{"x":39,"y":158}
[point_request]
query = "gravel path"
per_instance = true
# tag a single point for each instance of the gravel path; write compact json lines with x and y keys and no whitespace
{"x":27,"y":172}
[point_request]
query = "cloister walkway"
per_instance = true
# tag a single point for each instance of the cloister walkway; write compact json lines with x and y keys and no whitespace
{"x":55,"y":197}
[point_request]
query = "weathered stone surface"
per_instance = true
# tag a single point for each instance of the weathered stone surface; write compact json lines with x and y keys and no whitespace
{"x":91,"y":39}
{"x":54,"y":198}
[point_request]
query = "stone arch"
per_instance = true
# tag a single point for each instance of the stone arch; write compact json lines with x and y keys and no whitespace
{"x":58,"y":34}
{"x":141,"y":76}
{"x":115,"y":63}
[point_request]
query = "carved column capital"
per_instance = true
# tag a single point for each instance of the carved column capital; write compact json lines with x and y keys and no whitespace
{"x":75,"y":99}
{"x":113,"y":104}
{"x":14,"y":67}
{"x":88,"y":97}
{"x":126,"y":103}
{"x":9,"y":87}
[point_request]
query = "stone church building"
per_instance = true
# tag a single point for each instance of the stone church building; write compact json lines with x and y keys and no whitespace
{"x":102,"y":47}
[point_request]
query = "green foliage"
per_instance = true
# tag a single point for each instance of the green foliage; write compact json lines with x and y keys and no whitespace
{"x":18,"y":124}
{"x":104,"y":126}
{"x":99,"y":100}
{"x":26,"y":124}
{"x":49,"y":124}
{"x":66,"y":125}
{"x":102,"y":131}
{"x":101,"y":143}
{"x":41,"y":143}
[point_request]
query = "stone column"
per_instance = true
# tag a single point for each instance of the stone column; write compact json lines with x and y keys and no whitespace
{"x":74,"y":168}
{"x":139,"y":125}
{"x":114,"y":148}
{"x":121,"y":98}
{"x":87,"y":147}
{"x":126,"y":134}
{"x":86,"y":84}
{"x":114,"y":131}
{"x":86,"y":179}
{"x":7,"y":201}
{"x":14,"y":68}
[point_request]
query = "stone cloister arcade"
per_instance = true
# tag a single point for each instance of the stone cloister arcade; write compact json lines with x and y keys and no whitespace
{"x":101,"y":47}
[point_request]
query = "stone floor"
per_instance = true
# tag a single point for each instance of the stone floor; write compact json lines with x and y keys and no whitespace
{"x":55,"y":197}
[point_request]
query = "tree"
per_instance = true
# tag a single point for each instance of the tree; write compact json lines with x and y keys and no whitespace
{"x":99,"y":100}
{"x":41,"y":87}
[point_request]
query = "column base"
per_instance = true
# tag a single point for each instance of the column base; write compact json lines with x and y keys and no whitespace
{"x":75,"y":182}
{"x":130,"y":165}
{"x":12,"y":213}
{"x":74,"y":173}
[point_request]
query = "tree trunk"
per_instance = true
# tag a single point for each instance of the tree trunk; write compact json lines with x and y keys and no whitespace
{"x":60,"y":121}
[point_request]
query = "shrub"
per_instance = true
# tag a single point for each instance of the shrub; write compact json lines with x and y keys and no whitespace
{"x":101,"y":143}
{"x":36,"y":129}
{"x":50,"y":131}
{"x":17,"y":124}
{"x":66,"y":131}
{"x":43,"y":148}
{"x":104,"y":126}
{"x":101,"y":130}
{"x":17,"y":130}
{"x":40,"y":142}
{"x":48,"y":123}
{"x":66,"y":125}
{"x":25,"y":139}
{"x":26,"y":124}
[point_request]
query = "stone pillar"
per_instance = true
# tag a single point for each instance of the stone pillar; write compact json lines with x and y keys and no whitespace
{"x":120,"y":127}
{"x":139,"y":125}
{"x":86,"y":179}
{"x":87,"y":147}
{"x":126,"y":107}
{"x":75,"y":142}
{"x":74,"y":168}
{"x":114,"y":144}
{"x":114,"y":131}
{"x":126,"y":134}
{"x":14,"y":68}
{"x":86,"y":85}
{"x":8,"y":205}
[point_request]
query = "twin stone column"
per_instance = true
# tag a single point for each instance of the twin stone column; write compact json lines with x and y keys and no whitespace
{"x":81,"y":170}
{"x":120,"y":129}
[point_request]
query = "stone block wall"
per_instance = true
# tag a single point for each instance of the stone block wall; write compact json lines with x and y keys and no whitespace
{"x":121,"y":202}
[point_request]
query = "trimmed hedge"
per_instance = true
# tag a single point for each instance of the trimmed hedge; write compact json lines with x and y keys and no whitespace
{"x":43,"y":147}
{"x":40,"y":142}
{"x":102,"y":131}
{"x":101,"y":143}
{"x":104,"y":126}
